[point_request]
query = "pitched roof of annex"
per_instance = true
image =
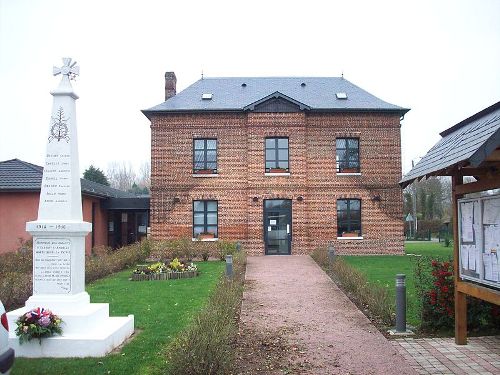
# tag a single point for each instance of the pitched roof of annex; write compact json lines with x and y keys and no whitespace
{"x":18,"y":175}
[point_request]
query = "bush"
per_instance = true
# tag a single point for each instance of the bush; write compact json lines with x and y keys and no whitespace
{"x":205,"y":347}
{"x":97,"y":267}
{"x":15,"y":289}
{"x":373,"y":297}
{"x":225,"y":248}
{"x":435,"y":289}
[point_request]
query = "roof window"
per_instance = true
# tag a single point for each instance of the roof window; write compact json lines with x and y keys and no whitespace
{"x":341,"y":95}
{"x":206,"y":96}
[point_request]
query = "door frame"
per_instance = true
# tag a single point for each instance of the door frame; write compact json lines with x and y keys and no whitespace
{"x":264,"y":227}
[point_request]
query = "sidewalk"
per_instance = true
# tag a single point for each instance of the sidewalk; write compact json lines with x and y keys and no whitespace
{"x":481,"y":355}
{"x":291,"y":294}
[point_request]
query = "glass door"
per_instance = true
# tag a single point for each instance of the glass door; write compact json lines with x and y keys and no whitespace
{"x":278,"y":226}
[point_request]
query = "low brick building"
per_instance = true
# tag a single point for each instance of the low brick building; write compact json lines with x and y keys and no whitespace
{"x":118,"y":218}
{"x":283,"y":165}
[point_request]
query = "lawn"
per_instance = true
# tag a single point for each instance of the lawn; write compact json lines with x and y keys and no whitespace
{"x":161,"y":310}
{"x":382,"y":269}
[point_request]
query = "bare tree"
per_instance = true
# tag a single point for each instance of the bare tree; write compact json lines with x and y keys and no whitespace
{"x":144,"y":179}
{"x":121,"y":175}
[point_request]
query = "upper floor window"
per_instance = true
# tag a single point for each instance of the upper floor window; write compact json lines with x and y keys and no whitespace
{"x":277,"y":155}
{"x":348,"y":218}
{"x":205,"y":220}
{"x":347,"y":155}
{"x":205,"y":156}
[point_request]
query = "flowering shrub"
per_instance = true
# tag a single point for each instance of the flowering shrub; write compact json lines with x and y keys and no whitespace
{"x":37,"y":323}
{"x":434,"y":284}
{"x":160,"y":267}
{"x":438,"y":304}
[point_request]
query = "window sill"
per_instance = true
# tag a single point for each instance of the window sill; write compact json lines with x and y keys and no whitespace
{"x":197,"y":175}
{"x":205,"y":239}
{"x":275,"y":174}
{"x":349,"y":238}
{"x":348,"y":174}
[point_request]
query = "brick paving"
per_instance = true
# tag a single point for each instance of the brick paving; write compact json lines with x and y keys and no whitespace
{"x":442,"y":356}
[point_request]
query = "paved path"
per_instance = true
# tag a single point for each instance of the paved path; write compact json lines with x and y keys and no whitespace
{"x":293,"y":293}
{"x":481,"y":355}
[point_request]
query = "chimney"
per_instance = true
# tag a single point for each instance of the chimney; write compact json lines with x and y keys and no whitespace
{"x":170,"y":85}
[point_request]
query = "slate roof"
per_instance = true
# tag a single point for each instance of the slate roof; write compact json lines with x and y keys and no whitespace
{"x":229,"y":94}
{"x":470,"y":141}
{"x":18,"y":175}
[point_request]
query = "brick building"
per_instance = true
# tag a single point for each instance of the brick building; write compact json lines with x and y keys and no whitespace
{"x":283,"y":165}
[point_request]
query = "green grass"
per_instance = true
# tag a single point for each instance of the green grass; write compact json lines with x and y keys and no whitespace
{"x":161,"y":309}
{"x":382,"y":269}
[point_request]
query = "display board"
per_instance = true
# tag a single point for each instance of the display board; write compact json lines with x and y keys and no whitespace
{"x":479,"y":239}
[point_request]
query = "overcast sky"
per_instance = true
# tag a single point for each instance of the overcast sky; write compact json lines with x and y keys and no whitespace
{"x":439,"y":58}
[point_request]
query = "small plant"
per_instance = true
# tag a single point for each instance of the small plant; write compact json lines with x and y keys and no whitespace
{"x":37,"y":323}
{"x":205,"y":254}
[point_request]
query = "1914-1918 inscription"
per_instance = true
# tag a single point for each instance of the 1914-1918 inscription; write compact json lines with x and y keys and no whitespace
{"x":52,"y":266}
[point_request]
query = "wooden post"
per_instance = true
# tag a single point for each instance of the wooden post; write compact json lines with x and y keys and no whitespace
{"x":460,"y":298}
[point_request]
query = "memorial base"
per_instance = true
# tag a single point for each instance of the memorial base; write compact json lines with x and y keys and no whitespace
{"x":88,"y":330}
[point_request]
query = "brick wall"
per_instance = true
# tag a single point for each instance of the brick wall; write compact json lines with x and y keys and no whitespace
{"x":241,"y":178}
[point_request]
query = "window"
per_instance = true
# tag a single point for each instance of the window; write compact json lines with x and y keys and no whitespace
{"x":205,"y":219}
{"x":347,"y":155}
{"x":277,"y":155}
{"x":348,"y":218}
{"x":205,"y":156}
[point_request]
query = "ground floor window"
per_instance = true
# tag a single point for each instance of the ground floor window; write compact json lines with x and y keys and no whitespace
{"x":205,"y":220}
{"x":348,"y":218}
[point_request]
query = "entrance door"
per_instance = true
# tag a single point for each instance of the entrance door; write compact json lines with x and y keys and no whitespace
{"x":278,"y":226}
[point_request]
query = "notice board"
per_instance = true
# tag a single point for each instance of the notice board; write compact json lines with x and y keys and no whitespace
{"x":479,"y":239}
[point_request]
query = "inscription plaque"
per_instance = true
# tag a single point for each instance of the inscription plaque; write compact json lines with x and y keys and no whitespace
{"x":52,"y":266}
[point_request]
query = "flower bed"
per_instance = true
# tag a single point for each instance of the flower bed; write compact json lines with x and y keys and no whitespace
{"x":163,"y":271}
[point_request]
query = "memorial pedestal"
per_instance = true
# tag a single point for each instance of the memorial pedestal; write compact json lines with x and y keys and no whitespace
{"x":88,"y":330}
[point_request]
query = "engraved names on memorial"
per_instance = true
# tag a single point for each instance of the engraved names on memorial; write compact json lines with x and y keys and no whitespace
{"x":52,"y":266}
{"x":56,"y":179}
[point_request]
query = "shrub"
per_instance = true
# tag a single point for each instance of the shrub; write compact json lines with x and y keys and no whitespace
{"x":15,"y":289}
{"x":97,"y":267}
{"x":205,"y":347}
{"x":373,"y":297}
{"x":435,"y":289}
{"x":225,"y":248}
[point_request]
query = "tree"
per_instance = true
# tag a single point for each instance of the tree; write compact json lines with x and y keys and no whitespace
{"x":95,"y":174}
{"x":121,"y":175}
{"x":145,"y":175}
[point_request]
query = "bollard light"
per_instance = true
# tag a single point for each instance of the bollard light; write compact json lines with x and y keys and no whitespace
{"x":331,"y":253}
{"x":229,"y":266}
{"x":400,"y":303}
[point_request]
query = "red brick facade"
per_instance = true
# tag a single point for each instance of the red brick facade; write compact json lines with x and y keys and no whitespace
{"x":241,"y":185}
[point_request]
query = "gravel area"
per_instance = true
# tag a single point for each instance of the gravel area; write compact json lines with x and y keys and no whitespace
{"x":301,"y":319}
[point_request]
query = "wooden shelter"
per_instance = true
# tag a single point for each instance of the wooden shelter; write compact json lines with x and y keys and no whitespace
{"x":469,"y":148}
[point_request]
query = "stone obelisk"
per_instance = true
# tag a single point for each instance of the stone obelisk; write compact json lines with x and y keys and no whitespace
{"x":59,"y":246}
{"x":59,"y":232}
